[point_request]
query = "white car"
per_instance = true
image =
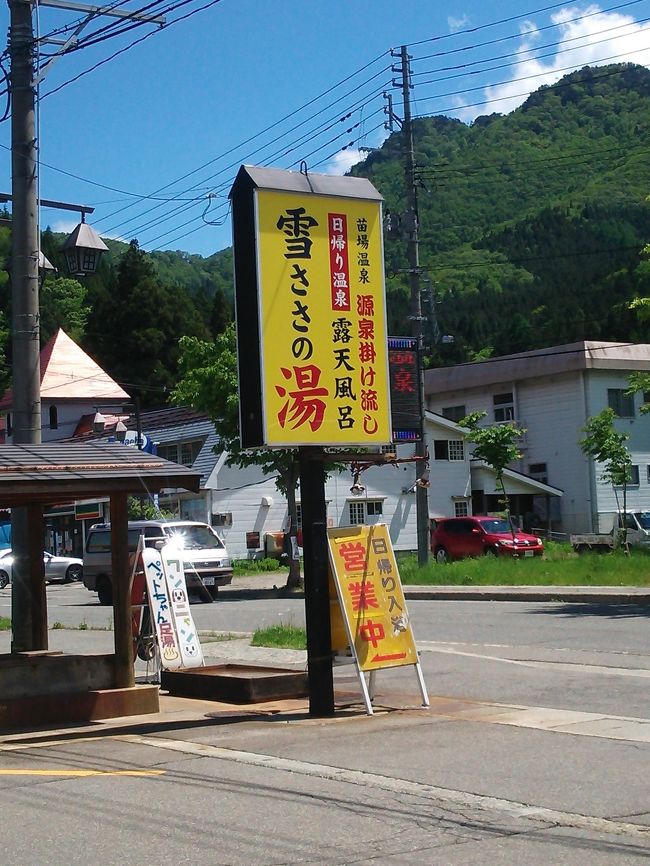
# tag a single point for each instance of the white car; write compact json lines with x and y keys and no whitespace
{"x":63,"y":568}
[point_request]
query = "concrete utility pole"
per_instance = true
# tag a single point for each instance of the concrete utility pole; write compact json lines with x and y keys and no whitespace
{"x":410,"y":224}
{"x":29,"y":628}
{"x":26,"y":428}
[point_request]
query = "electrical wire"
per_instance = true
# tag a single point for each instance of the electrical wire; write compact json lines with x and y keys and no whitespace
{"x":126,"y":48}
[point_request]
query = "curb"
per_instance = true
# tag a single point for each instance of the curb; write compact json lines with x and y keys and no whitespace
{"x":568,"y":594}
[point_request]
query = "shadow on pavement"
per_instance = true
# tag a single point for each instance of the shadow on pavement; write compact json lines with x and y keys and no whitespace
{"x":609,"y":611}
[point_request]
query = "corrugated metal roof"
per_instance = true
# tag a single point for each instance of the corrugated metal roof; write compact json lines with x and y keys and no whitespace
{"x":58,"y":471}
{"x":207,"y":457}
{"x":295,"y":181}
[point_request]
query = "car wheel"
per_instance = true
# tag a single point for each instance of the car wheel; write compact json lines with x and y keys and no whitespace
{"x":104,"y":591}
{"x":490,"y":551}
{"x":4,"y":579}
{"x":442,"y":557}
{"x":74,"y":572}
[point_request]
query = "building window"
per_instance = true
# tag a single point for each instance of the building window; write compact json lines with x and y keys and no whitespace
{"x":504,"y":407}
{"x":184,"y":453}
{"x":461,"y":509}
{"x":633,"y":477}
{"x":453,"y":413}
{"x":539,"y":472}
{"x":621,"y":402}
{"x":54,"y":418}
{"x":449,"y":449}
{"x":298,"y":516}
{"x":361,"y":511}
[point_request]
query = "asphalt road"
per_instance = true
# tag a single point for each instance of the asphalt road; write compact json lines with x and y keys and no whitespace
{"x":536,"y":750}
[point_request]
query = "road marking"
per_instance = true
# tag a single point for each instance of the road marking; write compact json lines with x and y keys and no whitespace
{"x":405,"y":787}
{"x":81,"y":773}
{"x":574,"y":667}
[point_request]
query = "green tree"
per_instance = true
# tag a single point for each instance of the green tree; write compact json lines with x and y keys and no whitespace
{"x":221,"y":313}
{"x":208,"y":383}
{"x":136,"y":324}
{"x":497,"y":446}
{"x":63,"y":305}
{"x":607,"y":446}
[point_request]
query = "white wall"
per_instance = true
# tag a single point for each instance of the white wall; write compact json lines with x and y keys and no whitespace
{"x":638,"y":429}
{"x":240,"y":492}
{"x":553,"y":413}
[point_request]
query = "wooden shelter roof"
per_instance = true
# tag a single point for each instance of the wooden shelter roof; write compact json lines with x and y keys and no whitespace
{"x":61,"y":472}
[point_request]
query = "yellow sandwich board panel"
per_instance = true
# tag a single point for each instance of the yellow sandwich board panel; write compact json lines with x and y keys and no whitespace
{"x":371,"y":598}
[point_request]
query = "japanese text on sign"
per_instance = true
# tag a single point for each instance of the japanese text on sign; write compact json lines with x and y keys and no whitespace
{"x":371,"y":597}
{"x":324,"y":354}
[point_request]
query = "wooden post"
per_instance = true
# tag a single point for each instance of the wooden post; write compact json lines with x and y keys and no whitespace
{"x":124,"y":671}
{"x":38,"y":594}
{"x":317,"y":602}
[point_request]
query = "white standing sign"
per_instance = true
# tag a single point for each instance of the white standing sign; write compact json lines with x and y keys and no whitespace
{"x":188,"y":639}
{"x":161,"y":613}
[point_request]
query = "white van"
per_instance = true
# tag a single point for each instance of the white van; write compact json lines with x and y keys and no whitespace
{"x":205,"y":558}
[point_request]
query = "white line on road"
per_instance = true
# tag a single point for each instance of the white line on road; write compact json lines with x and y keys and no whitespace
{"x":573,"y":667}
{"x":392,"y":785}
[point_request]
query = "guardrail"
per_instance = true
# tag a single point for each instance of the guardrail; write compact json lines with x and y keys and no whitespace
{"x":549,"y":535}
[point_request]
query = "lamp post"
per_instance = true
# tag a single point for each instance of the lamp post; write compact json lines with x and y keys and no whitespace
{"x":99,"y":421}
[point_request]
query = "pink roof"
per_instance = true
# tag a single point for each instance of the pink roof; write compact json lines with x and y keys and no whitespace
{"x":68,"y":373}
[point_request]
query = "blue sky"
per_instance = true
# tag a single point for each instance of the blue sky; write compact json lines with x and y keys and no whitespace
{"x":152,"y":138}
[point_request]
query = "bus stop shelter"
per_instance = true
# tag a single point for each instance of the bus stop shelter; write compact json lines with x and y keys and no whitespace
{"x":38,"y":686}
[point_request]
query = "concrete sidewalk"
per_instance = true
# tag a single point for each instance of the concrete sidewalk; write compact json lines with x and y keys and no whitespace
{"x":271,"y":585}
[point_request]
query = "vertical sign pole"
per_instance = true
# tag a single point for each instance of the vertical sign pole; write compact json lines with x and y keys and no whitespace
{"x":317,"y":603}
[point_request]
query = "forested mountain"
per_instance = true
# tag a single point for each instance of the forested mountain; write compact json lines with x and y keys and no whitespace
{"x":532,"y":226}
{"x":532,"y":223}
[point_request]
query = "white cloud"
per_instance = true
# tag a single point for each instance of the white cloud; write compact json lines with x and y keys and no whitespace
{"x":344,"y":160}
{"x":66,"y":226}
{"x":604,"y":37}
{"x":455,"y":24}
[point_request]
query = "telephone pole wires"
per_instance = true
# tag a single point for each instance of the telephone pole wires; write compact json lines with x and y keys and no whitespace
{"x":410,"y":226}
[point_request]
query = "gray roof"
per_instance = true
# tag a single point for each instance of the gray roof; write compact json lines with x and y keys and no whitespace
{"x":60,"y":472}
{"x":571,"y":357}
{"x":295,"y":181}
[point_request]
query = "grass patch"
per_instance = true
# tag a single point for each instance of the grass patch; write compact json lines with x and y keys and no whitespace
{"x":280,"y":637}
{"x":57,"y":624}
{"x":216,"y":636}
{"x":559,"y":566}
{"x":242,"y":567}
{"x":5,"y":623}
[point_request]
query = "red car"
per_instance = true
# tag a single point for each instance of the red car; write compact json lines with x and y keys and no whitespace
{"x":459,"y":537}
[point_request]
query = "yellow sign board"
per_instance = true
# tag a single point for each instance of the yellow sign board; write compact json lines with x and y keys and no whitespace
{"x":322,"y":327}
{"x":370,"y":595}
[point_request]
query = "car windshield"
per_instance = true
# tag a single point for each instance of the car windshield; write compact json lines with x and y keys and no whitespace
{"x":643,"y":518}
{"x":496,"y":524}
{"x":193,"y":537}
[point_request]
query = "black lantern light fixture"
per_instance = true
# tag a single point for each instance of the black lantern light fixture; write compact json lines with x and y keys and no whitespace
{"x":83,"y":249}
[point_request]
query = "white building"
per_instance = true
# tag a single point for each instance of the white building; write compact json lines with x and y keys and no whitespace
{"x":251,"y":515}
{"x":552,"y":393}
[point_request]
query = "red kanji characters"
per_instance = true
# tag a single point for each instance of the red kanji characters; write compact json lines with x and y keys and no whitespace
{"x":363,"y":595}
{"x":353,"y":554}
{"x":372,"y":632}
{"x":304,"y":405}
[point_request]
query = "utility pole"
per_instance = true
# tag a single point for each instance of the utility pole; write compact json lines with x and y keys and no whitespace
{"x":410,"y":225}
{"x":24,"y":299}
{"x":29,"y":628}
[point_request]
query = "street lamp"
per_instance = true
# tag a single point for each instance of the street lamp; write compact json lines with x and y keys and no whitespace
{"x":120,"y":429}
{"x":83,"y":249}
